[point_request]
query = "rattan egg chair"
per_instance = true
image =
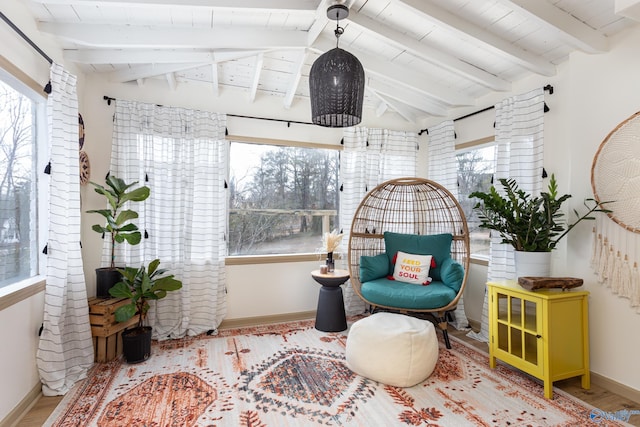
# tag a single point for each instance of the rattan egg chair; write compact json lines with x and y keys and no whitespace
{"x":412,"y":206}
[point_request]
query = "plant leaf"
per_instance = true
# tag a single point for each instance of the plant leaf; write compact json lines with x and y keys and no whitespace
{"x":126,"y":312}
{"x":131,"y":238}
{"x":137,"y":195}
{"x":125,"y":215}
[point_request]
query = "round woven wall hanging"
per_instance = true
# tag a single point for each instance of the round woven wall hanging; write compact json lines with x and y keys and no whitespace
{"x":615,"y":173}
{"x":85,"y":168}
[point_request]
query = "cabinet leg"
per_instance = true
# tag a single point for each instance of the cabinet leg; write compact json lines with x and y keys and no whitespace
{"x":548,"y":389}
{"x":586,"y":381}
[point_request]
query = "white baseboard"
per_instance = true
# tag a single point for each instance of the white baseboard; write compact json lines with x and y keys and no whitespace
{"x":23,"y":407}
{"x":262,"y":320}
{"x":616,"y":387}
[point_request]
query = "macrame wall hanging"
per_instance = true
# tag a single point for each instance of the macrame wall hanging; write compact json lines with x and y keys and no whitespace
{"x":615,"y":178}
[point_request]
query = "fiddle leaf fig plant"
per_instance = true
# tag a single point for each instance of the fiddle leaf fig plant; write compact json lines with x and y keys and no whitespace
{"x":118,"y":224}
{"x":530,"y":224}
{"x":142,"y":285}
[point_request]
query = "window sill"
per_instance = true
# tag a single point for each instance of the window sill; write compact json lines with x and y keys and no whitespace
{"x":276,"y":259}
{"x":19,"y":291}
{"x":479,"y":260}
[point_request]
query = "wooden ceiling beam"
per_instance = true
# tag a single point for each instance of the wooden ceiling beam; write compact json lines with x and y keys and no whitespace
{"x":431,"y":55}
{"x":292,"y":5}
{"x":159,"y":37}
{"x":256,"y":77}
{"x":570,"y":28}
{"x":480,"y":36}
{"x":296,"y":71}
{"x":146,"y":71}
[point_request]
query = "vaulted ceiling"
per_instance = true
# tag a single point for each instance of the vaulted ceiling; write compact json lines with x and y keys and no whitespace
{"x":421,"y":58}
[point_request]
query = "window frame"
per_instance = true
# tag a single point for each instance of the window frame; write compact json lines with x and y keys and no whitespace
{"x":20,"y":290}
{"x":277,"y":258}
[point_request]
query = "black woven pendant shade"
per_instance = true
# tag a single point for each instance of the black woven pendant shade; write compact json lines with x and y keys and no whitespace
{"x":336,"y":83}
{"x":336,"y":86}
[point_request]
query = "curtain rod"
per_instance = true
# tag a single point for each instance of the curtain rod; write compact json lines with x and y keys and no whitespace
{"x":25,"y":37}
{"x":548,"y":88}
{"x":288,"y":122}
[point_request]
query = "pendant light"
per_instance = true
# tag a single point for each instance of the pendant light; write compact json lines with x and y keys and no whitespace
{"x":336,"y":82}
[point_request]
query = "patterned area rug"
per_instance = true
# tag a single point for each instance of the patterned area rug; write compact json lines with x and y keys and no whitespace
{"x":293,"y":375}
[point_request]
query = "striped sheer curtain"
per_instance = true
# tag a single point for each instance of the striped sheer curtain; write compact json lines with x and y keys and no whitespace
{"x":370,"y":157}
{"x":65,"y":350}
{"x":519,"y":155}
{"x":443,"y":169}
{"x":443,"y":166}
{"x":182,"y":156}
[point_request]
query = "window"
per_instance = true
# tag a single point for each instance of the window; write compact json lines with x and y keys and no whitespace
{"x":282,"y":198}
{"x":476,"y":166}
{"x":20,"y":111}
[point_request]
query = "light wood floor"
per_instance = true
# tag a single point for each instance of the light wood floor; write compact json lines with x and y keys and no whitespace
{"x":597,"y":396}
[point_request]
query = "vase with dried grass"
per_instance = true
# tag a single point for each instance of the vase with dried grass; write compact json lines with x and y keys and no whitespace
{"x":331,"y":242}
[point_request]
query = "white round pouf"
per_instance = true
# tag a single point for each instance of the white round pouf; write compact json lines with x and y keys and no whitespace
{"x":392,"y":349}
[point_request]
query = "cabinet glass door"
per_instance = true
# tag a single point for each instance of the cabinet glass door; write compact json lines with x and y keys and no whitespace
{"x":531,"y":333}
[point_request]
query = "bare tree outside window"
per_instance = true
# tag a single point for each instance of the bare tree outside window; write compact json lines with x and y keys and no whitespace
{"x":17,"y":216}
{"x":475,"y":169}
{"x":281,"y":198}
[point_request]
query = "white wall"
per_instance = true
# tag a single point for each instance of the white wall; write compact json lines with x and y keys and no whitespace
{"x":602,"y":92}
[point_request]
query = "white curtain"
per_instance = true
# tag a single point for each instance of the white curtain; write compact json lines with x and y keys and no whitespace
{"x":182,"y":156}
{"x":443,"y":169}
{"x":519,"y":155}
{"x":65,"y":350}
{"x":443,"y":166}
{"x":370,"y":157}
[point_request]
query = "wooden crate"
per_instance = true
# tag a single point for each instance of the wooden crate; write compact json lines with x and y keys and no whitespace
{"x":106,"y":332}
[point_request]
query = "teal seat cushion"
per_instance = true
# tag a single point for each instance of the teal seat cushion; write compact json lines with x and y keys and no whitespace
{"x":373,"y":267}
{"x":438,"y":245}
{"x":393,"y":293}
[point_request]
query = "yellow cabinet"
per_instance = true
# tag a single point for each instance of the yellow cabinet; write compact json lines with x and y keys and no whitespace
{"x":543,"y":333}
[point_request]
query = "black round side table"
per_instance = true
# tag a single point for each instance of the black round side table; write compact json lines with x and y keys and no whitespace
{"x":330,"y":316}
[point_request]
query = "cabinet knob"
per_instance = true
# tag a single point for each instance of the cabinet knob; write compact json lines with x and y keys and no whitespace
{"x":538,"y":336}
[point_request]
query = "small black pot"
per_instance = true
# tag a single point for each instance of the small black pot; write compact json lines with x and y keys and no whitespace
{"x":106,"y":278}
{"x":136,"y":344}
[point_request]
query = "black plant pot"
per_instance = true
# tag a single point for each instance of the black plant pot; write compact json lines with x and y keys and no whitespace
{"x":136,"y":344}
{"x":106,"y":278}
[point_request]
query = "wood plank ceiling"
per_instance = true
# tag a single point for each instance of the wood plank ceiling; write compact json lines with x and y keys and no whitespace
{"x":421,"y":58}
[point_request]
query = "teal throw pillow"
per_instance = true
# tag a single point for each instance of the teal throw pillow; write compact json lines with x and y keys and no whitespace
{"x":452,"y":274}
{"x":373,"y":267}
{"x":438,"y":245}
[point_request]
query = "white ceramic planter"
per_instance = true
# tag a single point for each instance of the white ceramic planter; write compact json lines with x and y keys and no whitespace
{"x":536,"y":264}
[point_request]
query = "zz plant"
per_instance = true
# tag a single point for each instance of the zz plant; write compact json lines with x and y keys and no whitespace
{"x":530,"y":224}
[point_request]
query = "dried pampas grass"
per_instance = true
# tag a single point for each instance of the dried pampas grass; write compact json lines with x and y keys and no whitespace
{"x":331,"y":241}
